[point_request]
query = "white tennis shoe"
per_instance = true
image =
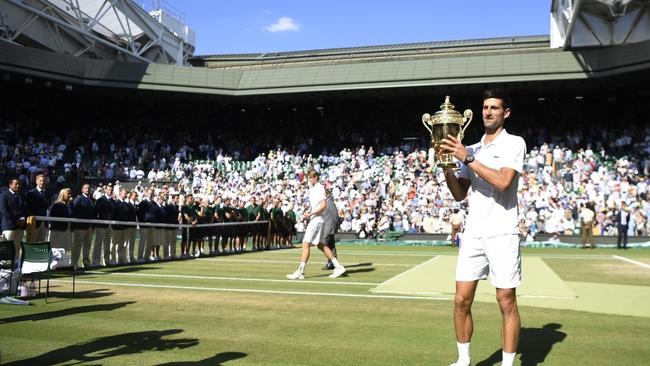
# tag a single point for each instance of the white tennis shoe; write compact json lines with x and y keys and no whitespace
{"x":338,"y":271}
{"x":296,"y":276}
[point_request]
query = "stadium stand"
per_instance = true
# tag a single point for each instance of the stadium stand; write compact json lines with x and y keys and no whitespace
{"x":378,"y":173}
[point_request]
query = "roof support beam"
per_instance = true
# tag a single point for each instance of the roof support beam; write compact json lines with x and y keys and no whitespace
{"x":77,"y":29}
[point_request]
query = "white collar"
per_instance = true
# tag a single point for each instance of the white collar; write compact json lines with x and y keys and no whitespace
{"x":502,"y":133}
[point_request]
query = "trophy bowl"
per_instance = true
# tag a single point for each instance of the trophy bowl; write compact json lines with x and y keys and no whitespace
{"x":446,"y":121}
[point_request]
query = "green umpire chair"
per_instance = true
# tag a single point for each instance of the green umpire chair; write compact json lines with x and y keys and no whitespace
{"x":36,"y":262}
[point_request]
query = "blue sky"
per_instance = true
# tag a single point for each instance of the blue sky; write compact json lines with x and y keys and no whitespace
{"x":251,"y":26}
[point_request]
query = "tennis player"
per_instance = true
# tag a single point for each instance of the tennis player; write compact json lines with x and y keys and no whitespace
{"x":490,"y":243}
{"x":314,"y":235}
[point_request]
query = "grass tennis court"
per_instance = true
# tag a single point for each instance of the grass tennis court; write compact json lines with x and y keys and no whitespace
{"x":578,"y":307}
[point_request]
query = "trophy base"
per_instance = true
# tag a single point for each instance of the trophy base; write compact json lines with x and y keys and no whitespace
{"x":447,"y":165}
{"x":442,"y":160}
{"x":446,"y":161}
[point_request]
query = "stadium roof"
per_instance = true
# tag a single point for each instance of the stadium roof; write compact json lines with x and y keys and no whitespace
{"x":468,"y":62}
{"x":408,"y":50}
{"x":97,"y":29}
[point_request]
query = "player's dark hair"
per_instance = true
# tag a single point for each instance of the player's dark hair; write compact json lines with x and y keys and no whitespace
{"x":499,"y":94}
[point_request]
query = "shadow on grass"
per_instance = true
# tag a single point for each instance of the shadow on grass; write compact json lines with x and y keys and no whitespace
{"x":534,"y":345}
{"x":358,"y":265}
{"x":128,"y":269}
{"x":94,"y":271}
{"x":103,"y":348}
{"x":65,"y":312}
{"x":64,"y":293}
{"x":215,"y":360}
{"x":90,"y":294}
{"x":360,"y":270}
{"x":347,"y":272}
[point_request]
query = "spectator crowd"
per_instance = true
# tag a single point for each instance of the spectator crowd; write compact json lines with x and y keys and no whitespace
{"x":380,"y":184}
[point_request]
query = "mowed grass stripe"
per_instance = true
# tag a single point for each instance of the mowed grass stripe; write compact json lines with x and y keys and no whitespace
{"x":600,"y":270}
{"x":359,"y":252}
{"x":269,"y":261}
{"x":208,"y":282}
{"x":231,"y":278}
{"x":410,"y":270}
{"x":640,"y":264}
{"x":362,"y":272}
{"x":251,"y":290}
{"x":566,"y":253}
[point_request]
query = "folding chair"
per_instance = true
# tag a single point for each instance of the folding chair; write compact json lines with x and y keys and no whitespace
{"x":36,"y":259}
{"x":8,"y":260}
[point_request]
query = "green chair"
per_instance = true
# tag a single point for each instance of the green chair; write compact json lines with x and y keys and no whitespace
{"x":393,"y":235}
{"x":8,"y":260}
{"x":36,"y":260}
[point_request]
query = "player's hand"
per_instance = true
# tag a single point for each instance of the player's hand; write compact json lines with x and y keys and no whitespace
{"x":453,"y":146}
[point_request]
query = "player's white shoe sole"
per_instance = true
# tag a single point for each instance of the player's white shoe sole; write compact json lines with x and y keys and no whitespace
{"x":296,"y":276}
{"x":460,"y":364}
{"x":337,"y":272}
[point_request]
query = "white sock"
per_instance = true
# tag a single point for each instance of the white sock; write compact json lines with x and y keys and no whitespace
{"x":301,"y":268}
{"x":463,"y":353}
{"x":336,"y":263}
{"x":508,"y":359}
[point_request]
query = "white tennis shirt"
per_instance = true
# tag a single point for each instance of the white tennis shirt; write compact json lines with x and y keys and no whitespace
{"x":316,"y":195}
{"x":491,"y":212}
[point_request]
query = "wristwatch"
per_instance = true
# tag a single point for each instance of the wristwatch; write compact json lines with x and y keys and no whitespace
{"x":468,"y":159}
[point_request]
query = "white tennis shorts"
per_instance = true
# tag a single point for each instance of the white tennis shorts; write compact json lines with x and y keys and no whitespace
{"x":314,"y":231}
{"x":498,"y":255}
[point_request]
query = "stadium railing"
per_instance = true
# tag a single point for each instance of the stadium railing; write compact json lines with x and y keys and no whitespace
{"x":228,"y":229}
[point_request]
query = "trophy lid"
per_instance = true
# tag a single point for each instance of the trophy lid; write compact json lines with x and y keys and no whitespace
{"x":447,"y":114}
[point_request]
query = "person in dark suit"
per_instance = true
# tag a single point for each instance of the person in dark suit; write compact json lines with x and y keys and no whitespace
{"x":83,"y":207}
{"x":132,"y":204}
{"x":104,"y":209}
{"x":622,"y":223}
{"x":59,"y":234}
{"x":172,"y":216}
{"x":158,"y":232}
{"x":146,"y":214}
{"x":121,"y":213}
{"x":37,"y":203}
{"x":12,"y":208}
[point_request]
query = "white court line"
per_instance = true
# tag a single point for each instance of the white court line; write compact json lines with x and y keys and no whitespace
{"x":407,"y":271}
{"x":230,"y":278}
{"x":245,"y":260}
{"x":360,"y":252}
{"x":549,"y":297}
{"x":333,"y":294}
{"x":428,"y":254}
{"x":442,"y":293}
{"x":632,"y":261}
{"x":293,"y":262}
{"x":409,"y":292}
{"x":569,"y":256}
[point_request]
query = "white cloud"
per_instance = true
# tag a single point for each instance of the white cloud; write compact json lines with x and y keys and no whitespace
{"x":283,"y":24}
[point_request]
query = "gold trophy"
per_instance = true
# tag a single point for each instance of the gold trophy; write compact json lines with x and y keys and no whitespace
{"x":446,"y":121}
